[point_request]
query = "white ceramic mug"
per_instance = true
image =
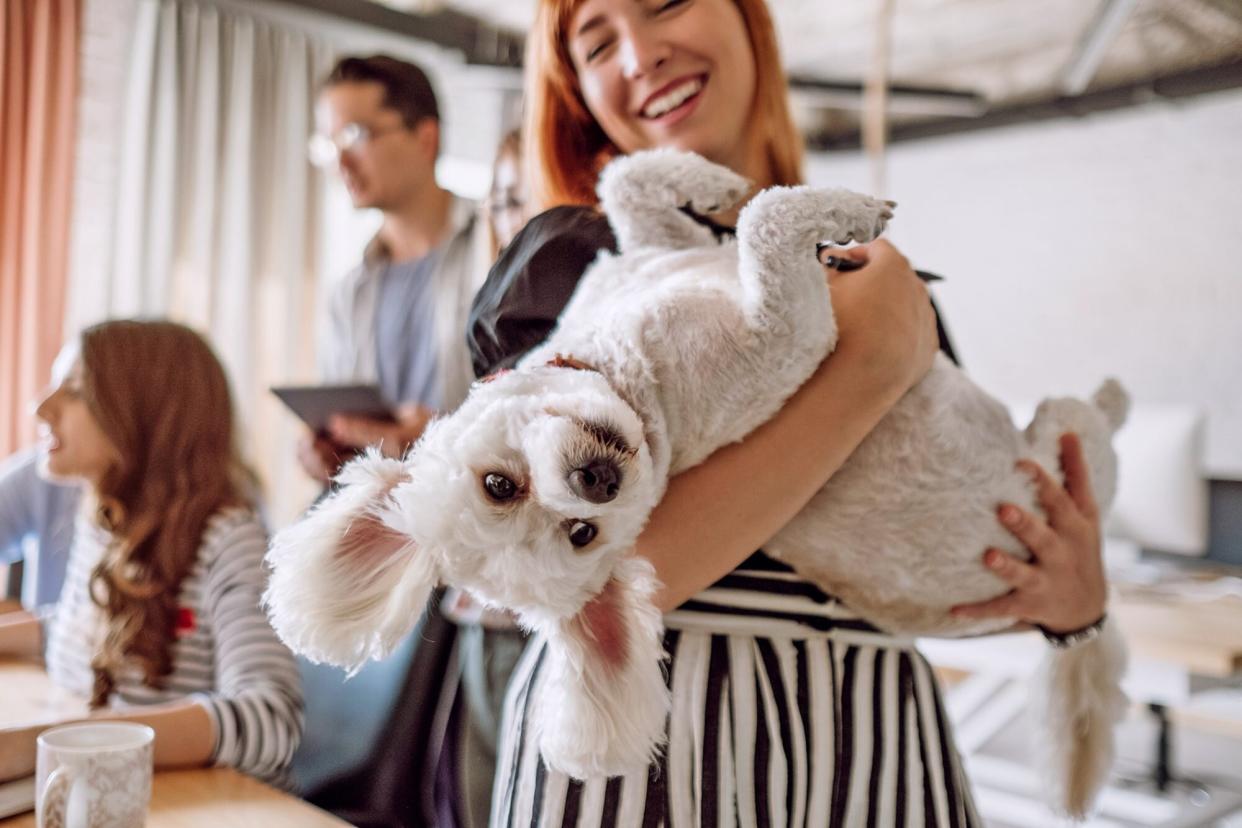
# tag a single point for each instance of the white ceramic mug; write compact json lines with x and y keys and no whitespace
{"x":94,"y":775}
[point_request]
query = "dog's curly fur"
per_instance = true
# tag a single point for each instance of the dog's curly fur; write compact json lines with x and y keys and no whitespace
{"x":687,"y":344}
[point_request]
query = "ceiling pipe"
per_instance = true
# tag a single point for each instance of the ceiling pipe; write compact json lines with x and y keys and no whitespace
{"x":1091,"y":48}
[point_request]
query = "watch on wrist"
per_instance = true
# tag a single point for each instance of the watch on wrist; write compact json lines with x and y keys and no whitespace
{"x":1066,"y":640}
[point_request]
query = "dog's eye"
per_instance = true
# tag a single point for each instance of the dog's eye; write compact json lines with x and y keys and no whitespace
{"x":499,"y":487}
{"x":581,"y":533}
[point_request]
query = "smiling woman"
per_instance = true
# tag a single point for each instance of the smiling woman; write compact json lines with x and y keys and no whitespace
{"x":654,"y":74}
{"x":787,"y":706}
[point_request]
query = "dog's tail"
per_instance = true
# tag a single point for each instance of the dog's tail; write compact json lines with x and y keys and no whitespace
{"x":1078,"y":701}
{"x":1113,"y":402}
{"x":345,"y":586}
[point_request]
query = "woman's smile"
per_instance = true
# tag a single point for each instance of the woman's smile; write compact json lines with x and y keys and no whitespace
{"x":674,"y":101}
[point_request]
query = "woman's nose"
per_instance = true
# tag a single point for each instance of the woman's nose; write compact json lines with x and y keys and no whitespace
{"x":642,"y":53}
{"x":45,"y":409}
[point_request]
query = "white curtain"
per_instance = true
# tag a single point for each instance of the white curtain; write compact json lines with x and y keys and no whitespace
{"x":218,"y":215}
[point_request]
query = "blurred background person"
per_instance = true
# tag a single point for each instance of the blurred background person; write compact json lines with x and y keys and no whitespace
{"x":395,"y":319}
{"x":159,"y":621}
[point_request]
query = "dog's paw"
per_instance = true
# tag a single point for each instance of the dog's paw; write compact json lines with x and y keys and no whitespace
{"x":860,"y":218}
{"x":673,"y":178}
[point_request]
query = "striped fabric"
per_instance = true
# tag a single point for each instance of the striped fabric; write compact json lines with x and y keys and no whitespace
{"x":788,"y":710}
{"x":226,"y":656}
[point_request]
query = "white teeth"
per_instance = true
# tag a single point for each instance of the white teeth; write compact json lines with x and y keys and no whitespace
{"x":672,"y":99}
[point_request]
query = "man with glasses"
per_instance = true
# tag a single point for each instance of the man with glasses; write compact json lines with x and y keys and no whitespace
{"x":396,"y":319}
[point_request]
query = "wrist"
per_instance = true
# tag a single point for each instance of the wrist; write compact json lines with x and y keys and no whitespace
{"x":1065,"y":639}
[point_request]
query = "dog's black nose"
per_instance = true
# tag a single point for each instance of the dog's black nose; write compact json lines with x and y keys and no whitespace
{"x":597,"y":481}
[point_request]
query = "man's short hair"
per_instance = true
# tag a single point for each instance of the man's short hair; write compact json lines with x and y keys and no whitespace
{"x":406,"y":87}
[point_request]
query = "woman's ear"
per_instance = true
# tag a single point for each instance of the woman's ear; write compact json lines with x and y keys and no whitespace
{"x":345,"y":586}
{"x":603,"y":706}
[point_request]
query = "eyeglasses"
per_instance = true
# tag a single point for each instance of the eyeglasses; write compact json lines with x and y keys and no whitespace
{"x":325,"y":150}
{"x":504,"y":202}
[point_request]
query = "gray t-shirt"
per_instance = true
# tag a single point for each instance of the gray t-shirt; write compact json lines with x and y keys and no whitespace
{"x":405,"y":332}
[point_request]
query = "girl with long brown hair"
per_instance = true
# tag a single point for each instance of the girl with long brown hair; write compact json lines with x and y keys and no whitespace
{"x":159,"y":621}
{"x":788,"y":709}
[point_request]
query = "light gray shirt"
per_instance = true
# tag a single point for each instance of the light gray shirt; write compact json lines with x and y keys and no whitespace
{"x":407,"y":352}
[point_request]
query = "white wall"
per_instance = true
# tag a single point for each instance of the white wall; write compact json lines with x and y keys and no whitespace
{"x":1077,"y":249}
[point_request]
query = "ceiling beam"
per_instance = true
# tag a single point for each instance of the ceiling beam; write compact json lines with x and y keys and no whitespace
{"x":902,"y":99}
{"x":1183,"y":85}
{"x":479,"y":41}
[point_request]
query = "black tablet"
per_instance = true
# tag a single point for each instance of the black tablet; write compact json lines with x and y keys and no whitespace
{"x":314,"y":404}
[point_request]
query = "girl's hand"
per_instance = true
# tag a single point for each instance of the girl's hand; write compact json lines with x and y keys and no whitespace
{"x":1063,"y":587}
{"x":884,"y":314}
{"x":18,"y":748}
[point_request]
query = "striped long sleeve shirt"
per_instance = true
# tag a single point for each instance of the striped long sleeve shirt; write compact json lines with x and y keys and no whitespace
{"x":226,"y":657}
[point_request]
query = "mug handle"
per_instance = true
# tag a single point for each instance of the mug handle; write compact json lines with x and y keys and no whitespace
{"x":54,"y":806}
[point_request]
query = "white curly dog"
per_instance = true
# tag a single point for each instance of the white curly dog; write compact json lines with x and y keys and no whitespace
{"x":531,"y":495}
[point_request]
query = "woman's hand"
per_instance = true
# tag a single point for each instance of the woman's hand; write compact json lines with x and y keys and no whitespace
{"x":884,"y":315}
{"x":18,"y":748}
{"x":1063,"y":587}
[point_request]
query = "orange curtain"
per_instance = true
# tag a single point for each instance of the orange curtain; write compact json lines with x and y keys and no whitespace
{"x":38,"y":92}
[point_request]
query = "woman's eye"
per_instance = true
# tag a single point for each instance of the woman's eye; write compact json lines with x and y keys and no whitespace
{"x":581,"y":533}
{"x":669,"y":5}
{"x":499,"y":487}
{"x":596,"y":51}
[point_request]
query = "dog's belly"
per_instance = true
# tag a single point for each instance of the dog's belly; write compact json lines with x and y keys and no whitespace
{"x":899,"y":531}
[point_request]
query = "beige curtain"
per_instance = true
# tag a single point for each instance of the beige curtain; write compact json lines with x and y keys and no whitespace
{"x":218,"y":213}
{"x":38,"y":88}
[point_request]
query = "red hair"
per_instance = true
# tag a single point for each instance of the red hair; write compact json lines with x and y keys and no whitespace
{"x":566,"y":148}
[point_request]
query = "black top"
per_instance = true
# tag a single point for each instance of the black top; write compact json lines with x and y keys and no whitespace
{"x":531,"y":282}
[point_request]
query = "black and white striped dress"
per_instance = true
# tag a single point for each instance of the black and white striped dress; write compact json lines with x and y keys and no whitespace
{"x":226,"y":657}
{"x":788,"y":710}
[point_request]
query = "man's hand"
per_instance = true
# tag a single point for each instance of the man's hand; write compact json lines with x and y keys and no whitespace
{"x":392,"y":438}
{"x":320,"y":456}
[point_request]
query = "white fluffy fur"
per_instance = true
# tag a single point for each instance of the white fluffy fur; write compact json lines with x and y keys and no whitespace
{"x":694,"y":344}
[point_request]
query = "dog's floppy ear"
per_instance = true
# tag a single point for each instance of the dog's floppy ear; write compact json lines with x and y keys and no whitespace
{"x":345,"y":586}
{"x":603,"y":703}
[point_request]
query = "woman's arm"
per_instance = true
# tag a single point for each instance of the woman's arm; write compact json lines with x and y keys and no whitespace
{"x":183,"y":737}
{"x":255,"y":708}
{"x":715,"y":515}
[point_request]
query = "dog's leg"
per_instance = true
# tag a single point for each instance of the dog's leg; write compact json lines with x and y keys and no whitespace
{"x":642,"y":195}
{"x":784,"y":287}
{"x":602,"y":702}
{"x":346,"y":586}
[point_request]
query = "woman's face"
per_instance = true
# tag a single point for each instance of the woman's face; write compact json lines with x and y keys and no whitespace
{"x":667,"y":73}
{"x":507,"y":201}
{"x":72,"y":442}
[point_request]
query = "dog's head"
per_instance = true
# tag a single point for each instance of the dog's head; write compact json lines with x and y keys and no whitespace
{"x":531,"y":488}
{"x":526,"y":496}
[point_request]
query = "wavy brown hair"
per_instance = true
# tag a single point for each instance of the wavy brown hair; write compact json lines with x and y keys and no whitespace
{"x":565,"y":148}
{"x":161,"y":396}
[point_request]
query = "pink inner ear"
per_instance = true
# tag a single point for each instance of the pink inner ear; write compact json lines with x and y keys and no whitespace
{"x":368,"y":542}
{"x":602,"y":621}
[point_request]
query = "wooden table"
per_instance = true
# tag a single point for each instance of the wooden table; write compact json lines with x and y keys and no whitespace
{"x":1204,"y":637}
{"x":214,"y":797}
{"x":1176,"y":646}
{"x":205,"y":798}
